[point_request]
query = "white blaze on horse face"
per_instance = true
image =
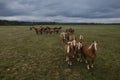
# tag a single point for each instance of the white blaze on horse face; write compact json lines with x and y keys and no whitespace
{"x":68,"y":48}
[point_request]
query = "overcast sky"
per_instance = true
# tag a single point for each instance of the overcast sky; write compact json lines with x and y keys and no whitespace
{"x":105,"y":11}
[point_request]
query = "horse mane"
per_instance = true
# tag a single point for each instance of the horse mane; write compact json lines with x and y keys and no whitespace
{"x":93,"y":44}
{"x":90,"y":46}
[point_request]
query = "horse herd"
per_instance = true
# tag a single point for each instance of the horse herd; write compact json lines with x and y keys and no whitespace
{"x":46,"y":30}
{"x":74,"y":48}
{"x":78,"y":49}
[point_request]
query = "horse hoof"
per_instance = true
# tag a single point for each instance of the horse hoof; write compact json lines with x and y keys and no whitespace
{"x":88,"y":67}
{"x":92,"y":66}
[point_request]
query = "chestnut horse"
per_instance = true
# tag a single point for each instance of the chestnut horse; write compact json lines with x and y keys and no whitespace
{"x":78,"y":51}
{"x":65,"y":36}
{"x":70,"y":30}
{"x":89,"y":53}
{"x":69,"y":52}
{"x":37,"y":30}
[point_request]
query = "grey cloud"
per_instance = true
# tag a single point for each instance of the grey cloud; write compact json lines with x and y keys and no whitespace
{"x":89,"y":9}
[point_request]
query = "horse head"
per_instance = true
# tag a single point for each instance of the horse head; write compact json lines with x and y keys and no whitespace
{"x":79,"y":45}
{"x":69,"y":46}
{"x":81,"y":38}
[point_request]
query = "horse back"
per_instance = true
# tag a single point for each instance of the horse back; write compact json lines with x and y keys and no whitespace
{"x":87,"y":52}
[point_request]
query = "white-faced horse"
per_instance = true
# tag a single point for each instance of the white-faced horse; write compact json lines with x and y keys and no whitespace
{"x":78,"y":51}
{"x":69,"y":52}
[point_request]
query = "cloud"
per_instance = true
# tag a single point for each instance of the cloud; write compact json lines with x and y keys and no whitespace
{"x":61,"y":10}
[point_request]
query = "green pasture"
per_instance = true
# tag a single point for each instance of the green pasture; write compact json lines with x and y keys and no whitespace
{"x":27,"y":56}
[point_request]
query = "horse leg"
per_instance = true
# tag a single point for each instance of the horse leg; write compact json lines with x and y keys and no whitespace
{"x":78,"y":56}
{"x":88,"y":63}
{"x":36,"y":32}
{"x":40,"y":32}
{"x":70,"y":62}
{"x":81,"y":57}
{"x":67,"y":58}
{"x":92,"y":65}
{"x":88,"y":66}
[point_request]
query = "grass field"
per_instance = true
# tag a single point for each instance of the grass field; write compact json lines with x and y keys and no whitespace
{"x":27,"y":56}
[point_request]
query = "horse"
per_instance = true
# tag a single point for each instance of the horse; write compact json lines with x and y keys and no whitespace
{"x":70,"y":30}
{"x":63,"y":36}
{"x":74,"y":41}
{"x":79,"y":45}
{"x":78,"y":51}
{"x":37,"y":30}
{"x":89,"y":53}
{"x":56,"y":29}
{"x":69,"y":52}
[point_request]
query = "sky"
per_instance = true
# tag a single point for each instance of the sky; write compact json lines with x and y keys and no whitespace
{"x":98,"y":11}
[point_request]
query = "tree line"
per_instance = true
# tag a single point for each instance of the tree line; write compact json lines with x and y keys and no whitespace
{"x":25,"y":23}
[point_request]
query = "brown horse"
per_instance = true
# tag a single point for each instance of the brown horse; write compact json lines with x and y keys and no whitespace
{"x":56,"y":30}
{"x":78,"y":51}
{"x":89,"y":53}
{"x":70,"y":30}
{"x":37,"y":30}
{"x":78,"y":47}
{"x":63,"y":36}
{"x":69,"y":52}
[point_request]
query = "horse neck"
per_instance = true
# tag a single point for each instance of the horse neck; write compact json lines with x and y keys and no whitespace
{"x":92,"y":48}
{"x":93,"y":51}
